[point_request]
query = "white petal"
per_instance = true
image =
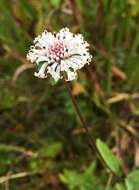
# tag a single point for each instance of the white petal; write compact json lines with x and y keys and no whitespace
{"x":41,"y":73}
{"x":71,"y":75}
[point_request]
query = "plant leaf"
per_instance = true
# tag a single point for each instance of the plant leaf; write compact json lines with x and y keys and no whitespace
{"x":132,"y":180}
{"x":109,"y":157}
{"x":51,"y":150}
{"x":56,"y":3}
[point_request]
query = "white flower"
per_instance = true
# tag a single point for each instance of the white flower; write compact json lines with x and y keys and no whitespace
{"x":58,"y":53}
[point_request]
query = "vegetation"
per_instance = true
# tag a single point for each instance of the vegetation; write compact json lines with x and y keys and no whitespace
{"x":42,"y":142}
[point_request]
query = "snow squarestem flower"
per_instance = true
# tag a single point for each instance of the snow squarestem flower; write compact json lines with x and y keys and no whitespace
{"x":55,"y":53}
{"x":60,"y":55}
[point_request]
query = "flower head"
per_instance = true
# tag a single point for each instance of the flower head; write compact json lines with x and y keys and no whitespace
{"x":58,"y":53}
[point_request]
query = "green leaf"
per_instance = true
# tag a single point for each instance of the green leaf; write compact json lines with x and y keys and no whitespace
{"x":119,"y":186}
{"x":91,"y":169}
{"x":51,"y":150}
{"x":109,"y":157}
{"x":132,"y":180}
{"x":38,"y":165}
{"x":56,"y":3}
{"x":81,"y":180}
{"x":71,"y":178}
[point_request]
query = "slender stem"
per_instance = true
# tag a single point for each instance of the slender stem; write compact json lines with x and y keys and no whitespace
{"x":90,"y":141}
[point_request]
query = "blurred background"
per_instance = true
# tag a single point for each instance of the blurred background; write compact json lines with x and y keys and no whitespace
{"x":42,"y":143}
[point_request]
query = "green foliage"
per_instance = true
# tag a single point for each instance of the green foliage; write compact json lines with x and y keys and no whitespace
{"x":134,"y":7}
{"x":120,"y":186}
{"x":38,"y":165}
{"x":56,"y":3}
{"x":50,"y":150}
{"x":44,"y":156}
{"x":109,"y":157}
{"x":8,"y":99}
{"x":82,"y":181}
{"x":27,"y":11}
{"x":132,"y":180}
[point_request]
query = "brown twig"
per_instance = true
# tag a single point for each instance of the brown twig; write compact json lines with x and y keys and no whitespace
{"x":110,"y":178}
{"x":8,"y":177}
{"x":18,"y":149}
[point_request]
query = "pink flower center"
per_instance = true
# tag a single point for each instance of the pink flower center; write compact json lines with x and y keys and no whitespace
{"x":56,"y":50}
